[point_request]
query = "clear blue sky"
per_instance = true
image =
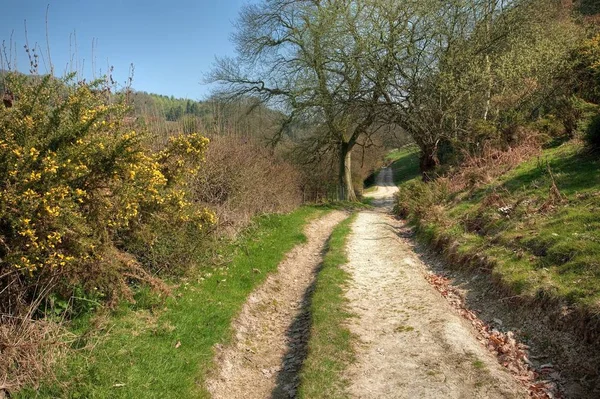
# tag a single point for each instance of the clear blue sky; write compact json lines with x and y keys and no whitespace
{"x":172,"y":44}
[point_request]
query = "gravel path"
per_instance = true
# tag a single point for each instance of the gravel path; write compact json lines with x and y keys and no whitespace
{"x":271,"y":331}
{"x":411,"y":342}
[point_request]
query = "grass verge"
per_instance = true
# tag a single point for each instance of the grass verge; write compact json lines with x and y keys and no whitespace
{"x":536,"y":227}
{"x":164,"y":350}
{"x":330,"y":346}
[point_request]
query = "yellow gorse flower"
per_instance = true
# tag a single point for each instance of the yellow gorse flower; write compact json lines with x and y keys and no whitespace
{"x":68,"y":200}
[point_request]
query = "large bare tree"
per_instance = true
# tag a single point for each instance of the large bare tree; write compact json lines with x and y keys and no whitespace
{"x":327,"y":62}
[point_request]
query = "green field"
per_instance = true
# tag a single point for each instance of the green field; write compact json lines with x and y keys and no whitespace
{"x":404,"y":163}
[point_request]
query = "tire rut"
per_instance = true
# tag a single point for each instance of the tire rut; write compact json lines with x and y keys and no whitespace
{"x":411,"y":343}
{"x":271,"y":333}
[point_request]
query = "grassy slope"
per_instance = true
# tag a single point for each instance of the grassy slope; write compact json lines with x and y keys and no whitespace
{"x":139,"y":355}
{"x":329,"y":348}
{"x":404,"y":163}
{"x":553,"y":250}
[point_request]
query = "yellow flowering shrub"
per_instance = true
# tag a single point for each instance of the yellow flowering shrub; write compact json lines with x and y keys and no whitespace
{"x":591,"y":51}
{"x":77,"y":181}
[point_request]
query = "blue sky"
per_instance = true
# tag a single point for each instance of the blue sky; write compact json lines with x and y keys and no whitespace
{"x":172,"y":44}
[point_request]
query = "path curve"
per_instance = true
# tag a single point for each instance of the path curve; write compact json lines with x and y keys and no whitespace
{"x":411,"y":342}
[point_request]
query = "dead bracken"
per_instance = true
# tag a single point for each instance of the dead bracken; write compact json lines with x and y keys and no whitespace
{"x":541,"y":383}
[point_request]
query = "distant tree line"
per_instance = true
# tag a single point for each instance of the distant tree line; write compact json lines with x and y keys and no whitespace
{"x":173,"y":109}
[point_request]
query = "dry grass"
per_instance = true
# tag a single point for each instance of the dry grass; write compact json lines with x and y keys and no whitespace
{"x":242,"y":179}
{"x":29,"y":350}
{"x":493,"y":162}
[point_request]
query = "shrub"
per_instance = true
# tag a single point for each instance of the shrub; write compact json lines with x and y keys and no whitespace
{"x":242,"y":179}
{"x":553,"y":127}
{"x":587,"y":67}
{"x":78,"y":183}
{"x":592,"y":134}
{"x":421,"y":200}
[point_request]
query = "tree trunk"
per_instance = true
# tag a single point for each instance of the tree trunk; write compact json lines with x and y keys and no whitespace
{"x":488,"y":90}
{"x":428,"y":161}
{"x":345,"y":187}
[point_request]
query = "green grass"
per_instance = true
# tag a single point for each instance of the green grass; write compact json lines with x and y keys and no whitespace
{"x":137,"y":354}
{"x":330,"y":346}
{"x":540,"y":247}
{"x":478,"y":364}
{"x":346,"y":205}
{"x":404,"y":163}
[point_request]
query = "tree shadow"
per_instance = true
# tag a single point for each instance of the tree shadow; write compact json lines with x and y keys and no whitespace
{"x":589,"y":7}
{"x":548,"y":334}
{"x":297,"y":337}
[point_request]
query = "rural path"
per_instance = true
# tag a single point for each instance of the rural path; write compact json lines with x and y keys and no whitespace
{"x":271,"y":332}
{"x":411,"y":343}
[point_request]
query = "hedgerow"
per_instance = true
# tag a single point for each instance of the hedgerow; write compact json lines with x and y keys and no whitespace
{"x":78,"y":184}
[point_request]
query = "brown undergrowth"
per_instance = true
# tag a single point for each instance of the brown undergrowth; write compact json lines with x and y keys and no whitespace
{"x":29,"y":349}
{"x":492,"y":162}
{"x":241,"y":179}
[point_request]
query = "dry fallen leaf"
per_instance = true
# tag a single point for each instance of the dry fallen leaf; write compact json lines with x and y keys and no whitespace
{"x":511,"y":354}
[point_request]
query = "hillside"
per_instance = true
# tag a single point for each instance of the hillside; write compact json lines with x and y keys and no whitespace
{"x":530,"y":227}
{"x":245,"y":245}
{"x":539,"y":222}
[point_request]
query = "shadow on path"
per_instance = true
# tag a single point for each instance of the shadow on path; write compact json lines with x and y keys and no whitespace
{"x":297,"y":337}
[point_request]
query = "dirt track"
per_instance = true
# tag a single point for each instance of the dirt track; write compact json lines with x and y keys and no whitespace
{"x":412,"y":343}
{"x":272,"y":330}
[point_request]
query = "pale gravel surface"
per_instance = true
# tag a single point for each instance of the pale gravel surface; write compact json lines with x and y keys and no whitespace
{"x":271,"y":331}
{"x":411,"y":342}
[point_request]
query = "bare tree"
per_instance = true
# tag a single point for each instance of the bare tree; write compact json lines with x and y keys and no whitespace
{"x":327,"y":62}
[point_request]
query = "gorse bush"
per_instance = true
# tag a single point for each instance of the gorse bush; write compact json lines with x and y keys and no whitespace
{"x":77,"y":183}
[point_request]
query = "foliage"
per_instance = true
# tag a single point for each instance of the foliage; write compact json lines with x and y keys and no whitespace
{"x":536,"y":225}
{"x":171,"y":108}
{"x":587,"y":69}
{"x":78,"y":183}
{"x":404,"y":163}
{"x":502,"y":70}
{"x":455,"y":76}
{"x":315,"y":61}
{"x":592,"y":134}
{"x":242,"y":179}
